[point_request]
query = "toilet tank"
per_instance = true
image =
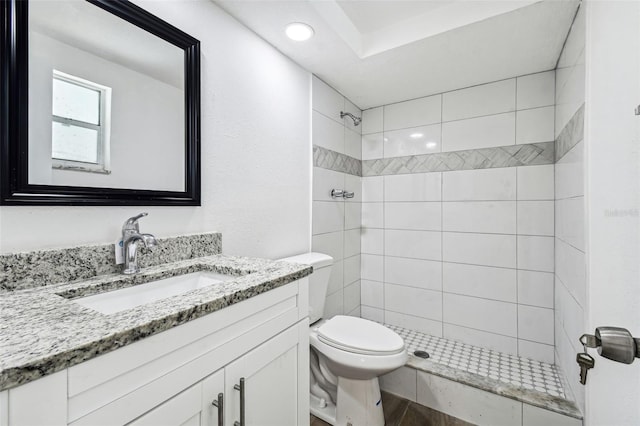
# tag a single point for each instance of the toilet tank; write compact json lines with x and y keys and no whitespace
{"x":318,"y":280}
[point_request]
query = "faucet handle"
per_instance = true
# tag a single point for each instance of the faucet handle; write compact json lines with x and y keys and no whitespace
{"x":132,"y":223}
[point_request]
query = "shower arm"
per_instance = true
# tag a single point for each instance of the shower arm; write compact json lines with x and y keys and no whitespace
{"x":356,"y":120}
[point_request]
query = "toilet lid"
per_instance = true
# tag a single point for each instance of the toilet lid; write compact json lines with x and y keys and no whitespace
{"x":359,"y":335}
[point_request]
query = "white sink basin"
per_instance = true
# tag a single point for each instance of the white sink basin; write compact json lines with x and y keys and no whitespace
{"x":130,"y":297}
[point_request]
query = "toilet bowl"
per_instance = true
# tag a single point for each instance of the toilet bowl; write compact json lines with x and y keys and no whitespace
{"x":347,"y":357}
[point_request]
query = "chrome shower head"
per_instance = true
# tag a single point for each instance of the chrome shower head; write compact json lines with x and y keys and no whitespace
{"x":356,"y":120}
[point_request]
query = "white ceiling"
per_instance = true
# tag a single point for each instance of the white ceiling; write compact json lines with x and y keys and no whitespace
{"x":381,"y":51}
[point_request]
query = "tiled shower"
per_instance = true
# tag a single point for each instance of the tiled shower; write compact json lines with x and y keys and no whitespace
{"x":471,"y":207}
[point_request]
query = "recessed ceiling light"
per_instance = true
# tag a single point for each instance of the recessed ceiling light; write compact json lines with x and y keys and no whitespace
{"x":416,"y":135}
{"x":298,"y":31}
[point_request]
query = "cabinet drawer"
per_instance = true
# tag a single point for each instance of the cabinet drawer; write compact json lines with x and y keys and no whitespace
{"x":121,"y":385}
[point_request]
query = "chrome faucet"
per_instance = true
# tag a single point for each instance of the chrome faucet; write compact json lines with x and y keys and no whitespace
{"x":131,"y":236}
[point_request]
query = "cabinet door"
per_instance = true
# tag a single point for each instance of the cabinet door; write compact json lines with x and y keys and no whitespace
{"x":181,"y":410}
{"x":272,"y":375}
{"x":212,"y":404}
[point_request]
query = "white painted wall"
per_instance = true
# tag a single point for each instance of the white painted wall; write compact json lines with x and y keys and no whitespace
{"x":146,"y":121}
{"x":256,"y":153}
{"x":612,"y":144}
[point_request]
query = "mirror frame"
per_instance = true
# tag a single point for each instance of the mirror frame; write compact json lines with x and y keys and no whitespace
{"x":14,"y":122}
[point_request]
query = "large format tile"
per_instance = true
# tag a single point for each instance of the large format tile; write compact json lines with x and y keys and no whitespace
{"x":352,"y":143}
{"x":481,"y":132}
{"x":372,"y":189}
{"x":535,"y":288}
{"x":372,"y":293}
{"x":413,"y":272}
{"x":412,"y":141}
{"x":327,"y":133}
{"x":330,"y":243}
{"x":352,"y":215}
{"x":535,"y":125}
{"x":425,"y":216}
{"x":413,"y":244}
{"x":536,"y":90}
{"x":413,"y":187}
{"x":352,"y":271}
{"x":371,"y":267}
{"x":479,"y":185}
{"x":372,"y":146}
{"x":413,"y":301}
{"x":472,"y":312}
{"x":372,"y":241}
{"x":536,"y":218}
{"x":536,"y":182}
{"x":480,"y":281}
{"x":484,"y":99}
{"x":372,"y":215}
{"x":372,"y":120}
{"x":324,"y":181}
{"x":422,"y":325}
{"x":480,"y":216}
{"x":479,"y":249}
{"x":536,"y":253}
{"x":328,"y":216}
{"x":535,"y":324}
{"x":416,"y":112}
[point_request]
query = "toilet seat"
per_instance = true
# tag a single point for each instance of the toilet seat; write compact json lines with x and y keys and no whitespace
{"x":359,"y":336}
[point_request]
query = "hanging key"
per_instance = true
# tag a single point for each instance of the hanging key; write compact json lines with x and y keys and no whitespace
{"x":586,"y":362}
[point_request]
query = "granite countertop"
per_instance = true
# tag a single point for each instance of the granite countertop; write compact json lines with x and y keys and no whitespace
{"x":42,"y":330}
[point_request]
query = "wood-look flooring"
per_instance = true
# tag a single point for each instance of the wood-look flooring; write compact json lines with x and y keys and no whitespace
{"x":401,"y":412}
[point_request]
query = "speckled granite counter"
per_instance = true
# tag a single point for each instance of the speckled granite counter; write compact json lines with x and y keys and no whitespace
{"x":42,"y":330}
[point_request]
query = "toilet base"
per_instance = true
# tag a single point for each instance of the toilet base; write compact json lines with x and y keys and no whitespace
{"x":359,"y":403}
{"x":324,"y":410}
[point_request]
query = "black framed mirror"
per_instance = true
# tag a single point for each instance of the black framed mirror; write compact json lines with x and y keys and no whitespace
{"x":99,"y":105}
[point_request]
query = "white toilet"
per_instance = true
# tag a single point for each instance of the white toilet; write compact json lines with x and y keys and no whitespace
{"x":347,"y":356}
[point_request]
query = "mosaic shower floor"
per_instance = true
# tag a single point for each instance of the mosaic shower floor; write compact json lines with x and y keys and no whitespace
{"x":497,"y":366}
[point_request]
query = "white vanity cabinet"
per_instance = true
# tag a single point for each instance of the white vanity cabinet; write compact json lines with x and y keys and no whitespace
{"x":173,"y":377}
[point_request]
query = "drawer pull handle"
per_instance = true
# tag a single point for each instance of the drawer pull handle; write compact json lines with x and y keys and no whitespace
{"x":219,"y":403}
{"x":240,"y":388}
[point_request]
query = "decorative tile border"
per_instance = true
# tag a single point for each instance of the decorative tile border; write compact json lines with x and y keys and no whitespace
{"x":335,"y":161}
{"x":44,"y":267}
{"x":572,"y":133}
{"x":484,"y":158}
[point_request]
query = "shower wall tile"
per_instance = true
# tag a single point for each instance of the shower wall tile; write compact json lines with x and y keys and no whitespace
{"x":536,"y":182}
{"x":458,"y":206}
{"x":372,"y":189}
{"x":412,"y":141}
{"x":336,"y":223}
{"x":372,"y":120}
{"x":480,"y":281}
{"x":497,"y":217}
{"x":373,"y":215}
{"x":327,"y":133}
{"x":425,"y":216}
{"x":535,"y":125}
{"x":485,"y":99}
{"x":536,"y":90}
{"x":479,"y":185}
{"x":425,"y":274}
{"x":413,"y":113}
{"x":413,"y":244}
{"x":480,"y":132}
{"x":372,"y":146}
{"x":352,"y":144}
{"x":372,"y":241}
{"x":413,"y":187}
